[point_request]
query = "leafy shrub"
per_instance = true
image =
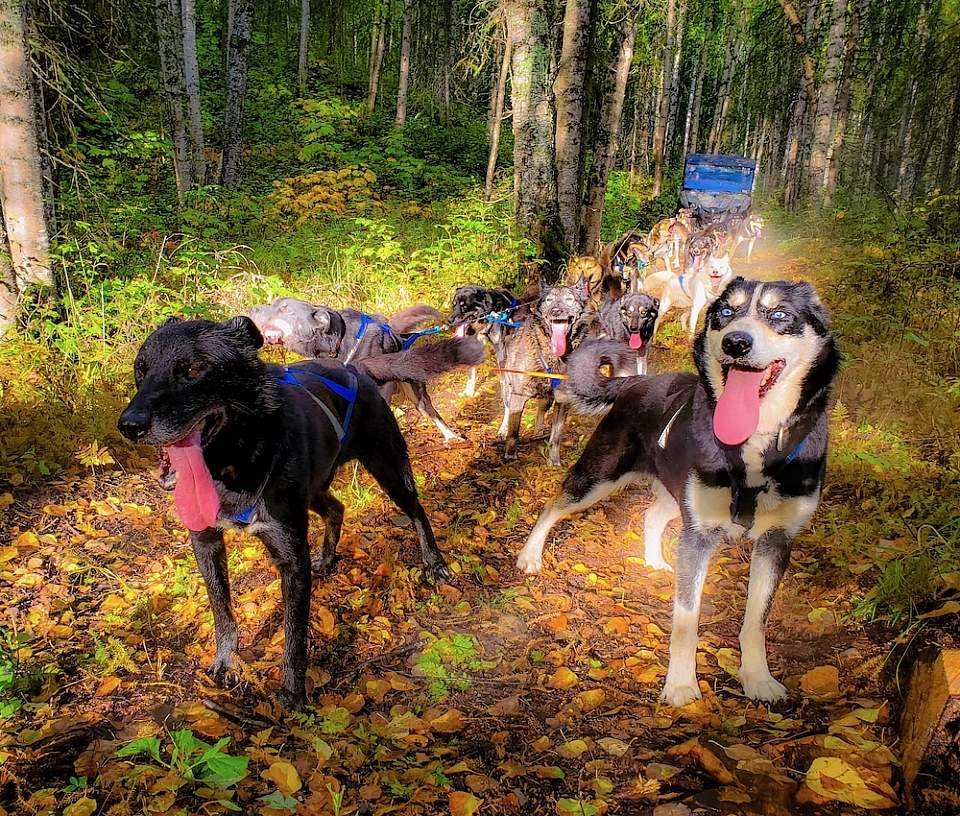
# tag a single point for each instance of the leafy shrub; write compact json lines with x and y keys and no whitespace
{"x":326,"y":192}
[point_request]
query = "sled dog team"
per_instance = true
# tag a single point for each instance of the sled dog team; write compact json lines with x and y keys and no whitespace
{"x":736,"y":449}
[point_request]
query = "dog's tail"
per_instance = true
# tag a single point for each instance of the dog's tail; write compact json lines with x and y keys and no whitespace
{"x":424,"y":361}
{"x":406,"y":320}
{"x":586,"y":390}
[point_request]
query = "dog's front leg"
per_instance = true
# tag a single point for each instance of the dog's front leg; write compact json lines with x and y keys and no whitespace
{"x":556,"y":432}
{"x":330,"y":509}
{"x":690,"y":567}
{"x":470,"y":389}
{"x":699,"y":301}
{"x":771,"y":554}
{"x":211,"y":558}
{"x":290,"y":552}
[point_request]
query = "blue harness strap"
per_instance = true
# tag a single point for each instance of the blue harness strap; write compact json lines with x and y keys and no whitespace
{"x":503,"y":319}
{"x":366,"y":320}
{"x":347,"y":394}
{"x":554,"y":382}
{"x":412,"y":337}
{"x":796,"y":451}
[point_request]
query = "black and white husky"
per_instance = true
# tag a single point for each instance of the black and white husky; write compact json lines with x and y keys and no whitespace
{"x":738,"y":449}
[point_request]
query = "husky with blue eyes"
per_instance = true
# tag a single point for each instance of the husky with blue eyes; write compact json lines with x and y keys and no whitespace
{"x":736,"y":450}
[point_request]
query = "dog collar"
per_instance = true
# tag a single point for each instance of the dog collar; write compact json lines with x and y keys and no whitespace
{"x":365,"y":321}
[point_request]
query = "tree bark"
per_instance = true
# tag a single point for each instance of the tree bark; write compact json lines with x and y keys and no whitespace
{"x":669,"y":136}
{"x":9,"y":291}
{"x":21,"y":176}
{"x":170,"y":43}
{"x":948,"y":154}
{"x":535,"y":186}
{"x":844,"y":98}
{"x":568,"y":90}
{"x":304,"y":46}
{"x":608,"y":131}
{"x":404,"y":83}
{"x":378,"y":47}
{"x":191,"y":81}
{"x":663,"y":110}
{"x":906,"y":171}
{"x":827,"y":101}
{"x":496,"y":67}
{"x":692,"y":125}
{"x":500,"y":93}
{"x":236,"y":90}
{"x":730,"y":61}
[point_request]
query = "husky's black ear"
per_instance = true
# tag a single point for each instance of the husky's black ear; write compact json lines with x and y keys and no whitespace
{"x":170,"y":321}
{"x":656,"y":304}
{"x":321,"y":320}
{"x":244,"y":331}
{"x":813,"y":309}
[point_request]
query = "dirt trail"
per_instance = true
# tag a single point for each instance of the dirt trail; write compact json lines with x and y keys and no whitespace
{"x":534,"y":695}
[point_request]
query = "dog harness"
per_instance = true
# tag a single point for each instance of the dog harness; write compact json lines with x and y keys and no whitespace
{"x":346,"y":393}
{"x":412,"y":337}
{"x":365,"y":321}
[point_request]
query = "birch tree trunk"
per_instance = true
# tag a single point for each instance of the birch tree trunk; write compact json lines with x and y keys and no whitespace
{"x":844,"y":99}
{"x":669,"y":136}
{"x":568,"y":90}
{"x":827,"y":101}
{"x":404,"y":83}
{"x":170,"y":43}
{"x":378,"y":47}
{"x":496,"y":67}
{"x":692,"y":126}
{"x":236,"y":90}
{"x":723,"y":90}
{"x":608,"y":131}
{"x":500,"y":93}
{"x":191,"y":81}
{"x":805,"y":101}
{"x":535,"y":185}
{"x":905,"y":173}
{"x":21,"y":176}
{"x":663,"y":110}
{"x":304,"y":46}
{"x":9,"y":291}
{"x":948,"y":155}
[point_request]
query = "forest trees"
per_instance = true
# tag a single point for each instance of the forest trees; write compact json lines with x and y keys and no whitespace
{"x":24,"y":236}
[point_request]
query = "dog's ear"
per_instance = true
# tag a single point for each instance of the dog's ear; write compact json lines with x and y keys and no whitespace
{"x":244,"y":331}
{"x":321,"y":320}
{"x":583,"y":286}
{"x":815,"y":312}
{"x":170,"y":321}
{"x":656,"y":304}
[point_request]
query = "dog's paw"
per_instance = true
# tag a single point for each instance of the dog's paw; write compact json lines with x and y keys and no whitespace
{"x":530,"y":562}
{"x":223,"y":672}
{"x":291,"y":700}
{"x":679,"y":693}
{"x":468,"y":392}
{"x":452,"y":437}
{"x":658,"y":564}
{"x":437,"y":573}
{"x":762,"y":687}
{"x":321,"y":564}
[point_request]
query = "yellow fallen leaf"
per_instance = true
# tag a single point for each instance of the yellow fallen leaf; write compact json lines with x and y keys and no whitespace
{"x":562,"y":678}
{"x":616,"y":626}
{"x":822,"y":681}
{"x":507,"y":707}
{"x":728,"y":660}
{"x":82,"y":807}
{"x":833,"y":778}
{"x":541,"y":744}
{"x":613,"y":746}
{"x":572,"y":748}
{"x":326,"y":622}
{"x":8,"y":554}
{"x":448,"y":722}
{"x":463,"y":803}
{"x":949,"y":608}
{"x":589,"y":700}
{"x":284,"y":776}
{"x":377,"y":689}
{"x":107,"y":686}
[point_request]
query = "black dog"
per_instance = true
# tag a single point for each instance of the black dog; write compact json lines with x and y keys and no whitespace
{"x":256,"y":446}
{"x":631,"y":319}
{"x":738,"y":449}
{"x":554,"y":328}
{"x":355,"y":337}
{"x":486,"y":313}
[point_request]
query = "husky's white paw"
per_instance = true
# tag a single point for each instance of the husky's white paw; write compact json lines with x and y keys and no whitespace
{"x":658,"y":564}
{"x":679,"y":693}
{"x":762,"y":687}
{"x":529,"y":562}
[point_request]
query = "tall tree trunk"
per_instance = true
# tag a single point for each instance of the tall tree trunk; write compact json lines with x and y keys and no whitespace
{"x":191,"y":82}
{"x":634,"y":132}
{"x":236,"y":90}
{"x":730,"y":60}
{"x":948,"y":154}
{"x":906,"y":170}
{"x":451,"y":55}
{"x":496,"y":68}
{"x":499,"y":96}
{"x":692,"y":126}
{"x":535,"y":185}
{"x":21,"y":176}
{"x":170,"y":42}
{"x":805,"y":101}
{"x":608,"y":130}
{"x":304,"y":46}
{"x":9,"y":291}
{"x":377,"y":50}
{"x":663,"y":109}
{"x":404,"y":83}
{"x":669,"y":136}
{"x":568,"y":91}
{"x":844,"y":98}
{"x":827,"y":101}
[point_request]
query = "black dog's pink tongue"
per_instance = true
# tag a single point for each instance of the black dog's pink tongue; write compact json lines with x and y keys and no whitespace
{"x":636,"y":341}
{"x":558,"y":339}
{"x":738,"y":410}
{"x":195,"y":496}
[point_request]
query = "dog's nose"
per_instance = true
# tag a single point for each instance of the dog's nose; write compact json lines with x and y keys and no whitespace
{"x":736,"y":344}
{"x":134,"y":423}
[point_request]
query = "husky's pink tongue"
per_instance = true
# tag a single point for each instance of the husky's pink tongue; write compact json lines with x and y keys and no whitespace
{"x":636,"y":341}
{"x":195,"y":496}
{"x":558,"y":339}
{"x":738,"y":410}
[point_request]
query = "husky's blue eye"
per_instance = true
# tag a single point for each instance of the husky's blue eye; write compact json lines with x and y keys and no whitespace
{"x":726,"y":311}
{"x":779,"y":315}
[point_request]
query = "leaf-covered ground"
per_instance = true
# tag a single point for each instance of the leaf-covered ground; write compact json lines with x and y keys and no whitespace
{"x":496,"y":693}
